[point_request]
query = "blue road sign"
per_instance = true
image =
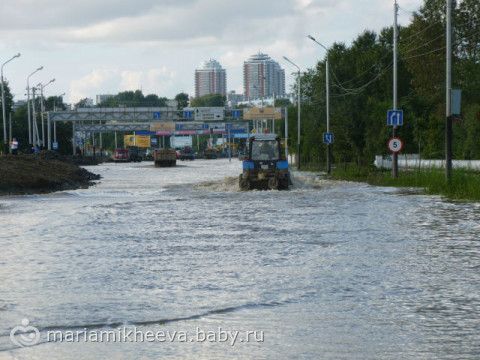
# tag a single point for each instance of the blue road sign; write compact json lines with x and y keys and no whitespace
{"x":157,"y":115}
{"x":236,"y":114}
{"x":55,"y":145}
{"x":328,"y":138}
{"x":188,"y":114}
{"x":395,"y":117}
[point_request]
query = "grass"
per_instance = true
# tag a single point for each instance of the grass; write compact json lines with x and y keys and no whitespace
{"x":464,"y":185}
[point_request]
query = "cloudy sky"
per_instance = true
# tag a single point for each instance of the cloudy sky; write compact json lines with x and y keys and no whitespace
{"x":106,"y":46}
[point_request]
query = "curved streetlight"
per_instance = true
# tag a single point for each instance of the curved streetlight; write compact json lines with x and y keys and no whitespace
{"x":298,"y":108}
{"x":327,"y":80}
{"x":42,"y":111}
{"x":28,"y":105}
{"x":4,"y":114}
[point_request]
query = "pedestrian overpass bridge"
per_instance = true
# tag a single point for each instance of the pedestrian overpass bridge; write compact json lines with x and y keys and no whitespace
{"x":163,"y":121}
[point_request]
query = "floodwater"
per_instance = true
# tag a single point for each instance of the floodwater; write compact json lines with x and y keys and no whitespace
{"x":324,"y":271}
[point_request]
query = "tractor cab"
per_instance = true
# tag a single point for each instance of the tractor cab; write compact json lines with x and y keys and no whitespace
{"x":265,"y":166}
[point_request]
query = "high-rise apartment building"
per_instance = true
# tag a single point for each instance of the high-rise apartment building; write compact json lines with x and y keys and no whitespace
{"x":263,"y":77}
{"x":211,"y":78}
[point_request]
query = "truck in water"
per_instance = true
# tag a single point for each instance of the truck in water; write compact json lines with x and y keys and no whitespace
{"x":165,"y":157}
{"x":265,"y":166}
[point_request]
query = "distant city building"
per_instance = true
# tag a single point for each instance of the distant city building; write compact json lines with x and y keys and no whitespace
{"x":102,"y":98}
{"x":233,"y":98}
{"x":211,"y":78}
{"x":263,"y":77}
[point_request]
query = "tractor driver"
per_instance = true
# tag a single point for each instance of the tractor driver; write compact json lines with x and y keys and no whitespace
{"x":266,"y":151}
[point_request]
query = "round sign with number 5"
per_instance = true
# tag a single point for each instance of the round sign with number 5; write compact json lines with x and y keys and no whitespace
{"x":395,"y":145}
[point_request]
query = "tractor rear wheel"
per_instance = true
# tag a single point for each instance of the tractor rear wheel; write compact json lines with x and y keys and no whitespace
{"x":244,"y":183}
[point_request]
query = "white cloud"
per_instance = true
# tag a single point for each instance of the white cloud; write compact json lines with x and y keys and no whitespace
{"x":112,"y":45}
{"x":100,"y":81}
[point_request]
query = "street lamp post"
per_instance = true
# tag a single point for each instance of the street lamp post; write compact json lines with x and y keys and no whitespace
{"x":55,"y":123}
{"x":28,"y":106}
{"x":35,"y":136}
{"x":298,"y":108}
{"x":42,"y":111}
{"x":327,"y":81}
{"x":4,"y":112}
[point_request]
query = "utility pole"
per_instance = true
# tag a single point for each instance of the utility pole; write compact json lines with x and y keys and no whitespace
{"x":327,"y":100}
{"x":29,"y":120}
{"x":35,"y":136}
{"x":286,"y":132}
{"x":229,"y":146}
{"x":395,"y":84}
{"x":327,"y":89}
{"x":299,"y":120}
{"x":55,"y":123}
{"x":448,"y":124}
{"x":10,"y":128}
{"x":298,"y":109}
{"x":42,"y":112}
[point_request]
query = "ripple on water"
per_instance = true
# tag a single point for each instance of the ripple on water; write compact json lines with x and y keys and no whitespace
{"x":331,"y":261}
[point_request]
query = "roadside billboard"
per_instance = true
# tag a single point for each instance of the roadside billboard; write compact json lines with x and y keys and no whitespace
{"x":165,"y":128}
{"x":207,"y":113}
{"x":181,"y":141}
{"x":141,"y":141}
{"x":262,"y":113}
{"x":191,"y":128}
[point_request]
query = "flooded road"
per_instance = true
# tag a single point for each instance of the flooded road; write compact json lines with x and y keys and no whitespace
{"x":326,"y":270}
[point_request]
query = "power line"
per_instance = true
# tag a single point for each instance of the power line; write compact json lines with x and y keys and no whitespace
{"x":359,"y":89}
{"x":425,"y":44}
{"x":376,"y":65}
{"x":441,"y":48}
{"x":406,"y":11}
{"x":417,"y":33}
{"x":424,"y":54}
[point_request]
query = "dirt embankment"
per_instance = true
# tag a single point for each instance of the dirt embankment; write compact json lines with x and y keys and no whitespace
{"x":31,"y":174}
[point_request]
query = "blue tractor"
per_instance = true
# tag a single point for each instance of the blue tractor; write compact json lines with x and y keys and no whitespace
{"x":265,"y":166}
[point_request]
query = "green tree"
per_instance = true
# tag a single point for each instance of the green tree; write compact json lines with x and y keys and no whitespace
{"x":282,"y":102}
{"x":182,"y":100}
{"x":135,"y":99}
{"x":209,"y":100}
{"x":83,"y":103}
{"x":8,"y":109}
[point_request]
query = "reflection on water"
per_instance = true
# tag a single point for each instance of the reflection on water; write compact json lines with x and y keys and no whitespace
{"x":326,"y":270}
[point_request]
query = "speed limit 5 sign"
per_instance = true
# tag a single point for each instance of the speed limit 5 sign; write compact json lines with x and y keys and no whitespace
{"x":395,"y":145}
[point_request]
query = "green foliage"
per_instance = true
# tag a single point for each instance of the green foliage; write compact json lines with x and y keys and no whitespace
{"x":465,"y":185}
{"x":209,"y":100}
{"x":361,"y":90}
{"x":182,"y":100}
{"x":282,"y":102}
{"x":8,"y":108}
{"x":134,"y":99}
{"x":82,"y":103}
{"x":8,"y":98}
